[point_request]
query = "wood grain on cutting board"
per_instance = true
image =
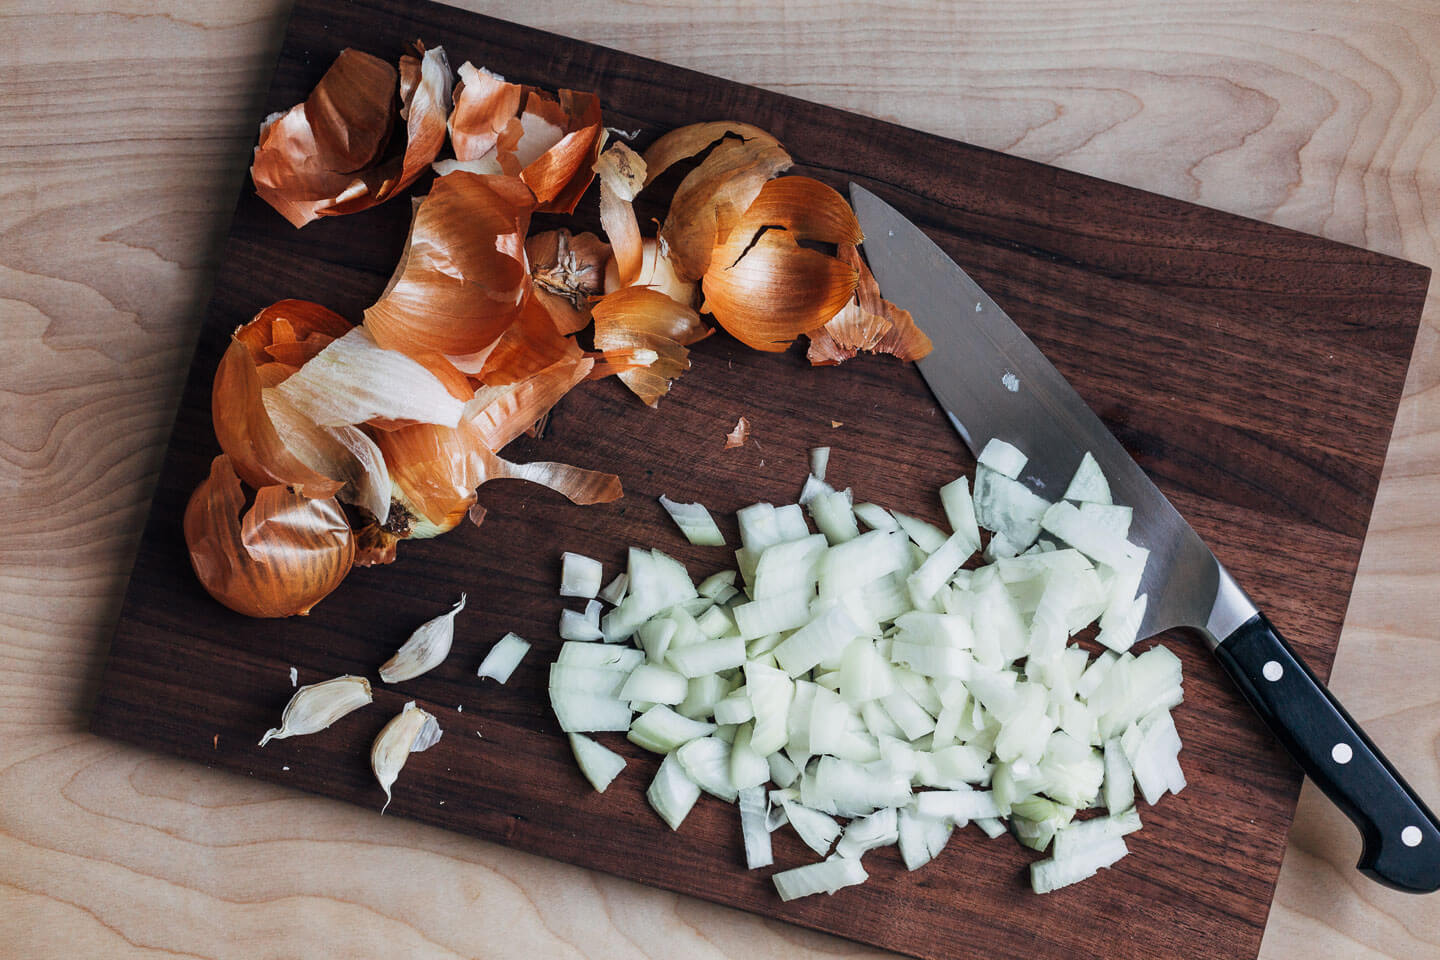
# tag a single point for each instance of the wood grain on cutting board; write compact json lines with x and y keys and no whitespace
{"x":1017,"y":314}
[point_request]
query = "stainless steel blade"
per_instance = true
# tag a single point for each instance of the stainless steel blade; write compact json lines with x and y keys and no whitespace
{"x":993,"y":382}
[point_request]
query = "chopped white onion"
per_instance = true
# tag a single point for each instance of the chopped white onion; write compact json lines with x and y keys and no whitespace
{"x":850,"y":669}
{"x":695,"y":522}
{"x":827,"y":876}
{"x":671,"y":793}
{"x":580,"y":576}
{"x":598,"y":763}
{"x":503,"y":658}
{"x":754,"y":812}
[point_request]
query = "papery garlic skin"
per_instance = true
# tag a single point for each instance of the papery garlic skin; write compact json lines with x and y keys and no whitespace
{"x":426,"y":649}
{"x":316,"y":706}
{"x":412,"y":730}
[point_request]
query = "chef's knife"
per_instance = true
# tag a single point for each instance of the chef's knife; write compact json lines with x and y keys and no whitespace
{"x":993,"y":382}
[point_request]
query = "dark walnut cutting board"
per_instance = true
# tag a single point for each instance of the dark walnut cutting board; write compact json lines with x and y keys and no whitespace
{"x":1253,"y":371}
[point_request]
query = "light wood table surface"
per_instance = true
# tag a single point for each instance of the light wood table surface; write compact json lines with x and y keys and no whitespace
{"x":125,"y":129}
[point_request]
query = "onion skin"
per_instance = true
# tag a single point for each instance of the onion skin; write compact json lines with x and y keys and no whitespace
{"x":283,"y":556}
{"x":247,"y":434}
{"x":463,"y":276}
{"x":328,"y":155}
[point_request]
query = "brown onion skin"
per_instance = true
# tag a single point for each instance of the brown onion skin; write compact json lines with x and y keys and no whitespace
{"x":278,"y":558}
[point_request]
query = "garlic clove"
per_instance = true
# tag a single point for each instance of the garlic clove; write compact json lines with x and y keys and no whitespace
{"x":316,"y":706}
{"x":412,"y":730}
{"x":426,"y":649}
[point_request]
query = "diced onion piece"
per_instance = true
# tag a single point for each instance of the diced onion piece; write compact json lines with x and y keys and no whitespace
{"x":718,"y":586}
{"x":788,"y":566}
{"x":880,"y":829}
{"x":708,"y":656}
{"x":833,"y":515}
{"x":1004,"y":458}
{"x":926,"y":536}
{"x":754,"y":811}
{"x":960,"y":511}
{"x":1087,"y":534}
{"x":817,"y":830}
{"x":580,"y":576}
{"x":782,"y":771}
{"x":654,"y":684}
{"x":706,"y":761}
{"x":695,"y":522}
{"x":747,"y":767}
{"x":776,"y":614}
{"x":921,"y":838}
{"x":758,"y":526}
{"x":1119,"y":778}
{"x":1088,"y":485}
{"x":939,"y":567}
{"x":877,"y":517}
{"x":819,"y":460}
{"x":598,"y":763}
{"x":1077,"y":838}
{"x":575,"y":625}
{"x":991,"y":827}
{"x":827,"y":876}
{"x":615,"y":590}
{"x":579,"y":711}
{"x":671,"y":793}
{"x":790,"y":522}
{"x":1048,"y":875}
{"x":503,"y":658}
{"x":662,"y":730}
{"x":1008,"y":508}
{"x":824,"y":638}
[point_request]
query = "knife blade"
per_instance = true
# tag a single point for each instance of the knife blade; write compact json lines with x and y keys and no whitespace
{"x":993,"y":383}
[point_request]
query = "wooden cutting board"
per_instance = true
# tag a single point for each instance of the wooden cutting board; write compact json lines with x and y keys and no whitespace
{"x":1253,"y":371}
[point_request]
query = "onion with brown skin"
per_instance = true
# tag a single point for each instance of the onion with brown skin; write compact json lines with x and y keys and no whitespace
{"x":278,"y":558}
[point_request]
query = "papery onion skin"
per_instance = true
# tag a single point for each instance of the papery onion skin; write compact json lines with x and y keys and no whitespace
{"x":425,"y":100}
{"x":561,"y":175}
{"x":286,"y":334}
{"x":622,"y":176}
{"x":281,"y":557}
{"x":635,"y":319}
{"x":307,"y":154}
{"x":463,"y":275}
{"x":530,"y":345}
{"x":761,"y":285}
{"x":246,"y":434}
{"x":866,"y":322}
{"x":326,"y":156}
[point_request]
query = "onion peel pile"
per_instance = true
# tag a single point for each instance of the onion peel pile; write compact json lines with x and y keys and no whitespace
{"x":327,"y":155}
{"x":477,"y":335}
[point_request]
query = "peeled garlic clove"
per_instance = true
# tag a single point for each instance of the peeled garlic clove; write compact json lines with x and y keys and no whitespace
{"x":316,"y":706}
{"x":412,"y":730}
{"x":426,"y":649}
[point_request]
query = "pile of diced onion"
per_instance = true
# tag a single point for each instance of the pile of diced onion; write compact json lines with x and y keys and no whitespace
{"x":875,"y":688}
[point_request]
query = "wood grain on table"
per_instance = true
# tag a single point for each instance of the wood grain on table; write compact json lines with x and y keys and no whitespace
{"x":125,"y":139}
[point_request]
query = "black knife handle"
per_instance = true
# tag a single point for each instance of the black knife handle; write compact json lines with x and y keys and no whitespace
{"x":1401,"y":835}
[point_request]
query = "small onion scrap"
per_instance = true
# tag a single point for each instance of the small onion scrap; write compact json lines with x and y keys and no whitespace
{"x":646,"y":333}
{"x":278,"y":558}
